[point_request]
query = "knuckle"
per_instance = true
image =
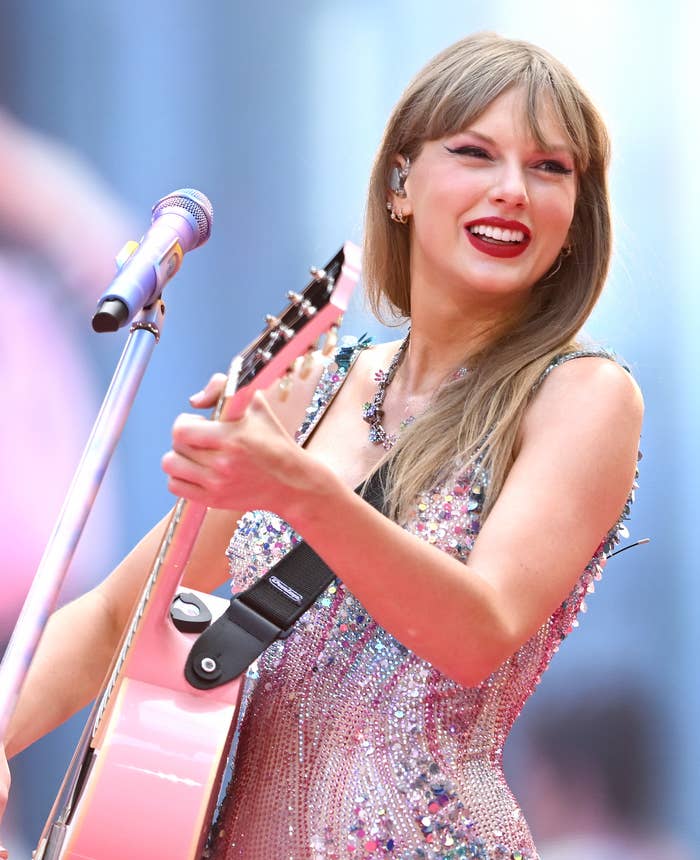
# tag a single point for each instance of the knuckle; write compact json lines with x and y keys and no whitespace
{"x":222,"y":465}
{"x":232,"y":445}
{"x":179,"y":425}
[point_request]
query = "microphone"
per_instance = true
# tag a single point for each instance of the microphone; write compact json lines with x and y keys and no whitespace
{"x":180,"y":222}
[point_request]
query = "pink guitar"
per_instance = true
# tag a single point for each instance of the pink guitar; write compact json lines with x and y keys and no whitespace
{"x":145,"y":779}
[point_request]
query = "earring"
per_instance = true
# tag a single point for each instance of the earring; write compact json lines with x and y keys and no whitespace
{"x":563,"y":254}
{"x":398,"y":177}
{"x":396,"y":214}
{"x":397,"y":182}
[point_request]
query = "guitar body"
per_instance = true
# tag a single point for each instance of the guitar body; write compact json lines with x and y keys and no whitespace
{"x":182,"y":742}
{"x":153,"y":772}
{"x":146,"y":777}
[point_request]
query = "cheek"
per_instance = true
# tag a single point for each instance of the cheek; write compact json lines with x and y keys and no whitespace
{"x":558,"y":214}
{"x":569,"y":204}
{"x":429,"y":217}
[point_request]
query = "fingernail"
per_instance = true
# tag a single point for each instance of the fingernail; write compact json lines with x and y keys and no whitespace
{"x":197,"y":396}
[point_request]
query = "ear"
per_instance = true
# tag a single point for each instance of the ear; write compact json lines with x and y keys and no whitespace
{"x":397,"y":192}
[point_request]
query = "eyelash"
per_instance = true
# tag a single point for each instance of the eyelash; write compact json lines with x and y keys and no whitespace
{"x":556,"y":167}
{"x":477,"y":152}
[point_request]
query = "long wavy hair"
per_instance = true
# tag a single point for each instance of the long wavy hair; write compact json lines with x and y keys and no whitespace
{"x":476,"y":418}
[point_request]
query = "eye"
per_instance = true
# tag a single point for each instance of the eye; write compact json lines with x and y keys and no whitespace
{"x":553,"y":166}
{"x":473,"y":151}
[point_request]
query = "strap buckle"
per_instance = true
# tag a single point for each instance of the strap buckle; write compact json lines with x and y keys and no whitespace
{"x":229,"y":645}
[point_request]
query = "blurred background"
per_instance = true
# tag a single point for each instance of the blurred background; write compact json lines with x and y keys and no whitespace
{"x":274,"y":111}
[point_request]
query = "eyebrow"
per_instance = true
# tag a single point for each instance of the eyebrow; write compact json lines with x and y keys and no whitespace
{"x":550,"y":148}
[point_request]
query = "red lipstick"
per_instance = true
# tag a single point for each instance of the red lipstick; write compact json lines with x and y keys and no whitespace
{"x":498,"y":249}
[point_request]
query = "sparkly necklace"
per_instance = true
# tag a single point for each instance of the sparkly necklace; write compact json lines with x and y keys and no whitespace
{"x":372,"y":411}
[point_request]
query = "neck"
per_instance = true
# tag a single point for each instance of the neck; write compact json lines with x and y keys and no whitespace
{"x":446,"y":336}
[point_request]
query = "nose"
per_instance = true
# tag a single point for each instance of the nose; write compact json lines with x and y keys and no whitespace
{"x":510,"y":187}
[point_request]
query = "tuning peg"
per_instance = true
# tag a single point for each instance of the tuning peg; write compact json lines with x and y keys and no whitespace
{"x":318,"y":274}
{"x":272,"y":321}
{"x":307,"y":308}
{"x":295,"y":298}
{"x":264,"y":354}
{"x":282,"y":333}
{"x":284,"y":386}
{"x":331,"y":340}
{"x":307,"y":364}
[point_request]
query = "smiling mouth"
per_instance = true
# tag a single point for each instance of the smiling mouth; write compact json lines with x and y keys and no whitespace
{"x":498,"y":241}
{"x":497,"y":235}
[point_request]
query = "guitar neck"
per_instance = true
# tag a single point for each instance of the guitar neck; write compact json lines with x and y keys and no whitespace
{"x":268,"y":358}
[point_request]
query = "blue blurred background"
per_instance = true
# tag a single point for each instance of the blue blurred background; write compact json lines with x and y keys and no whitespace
{"x":274,"y":110}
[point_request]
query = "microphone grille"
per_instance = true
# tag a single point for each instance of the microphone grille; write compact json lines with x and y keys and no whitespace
{"x":193,"y":202}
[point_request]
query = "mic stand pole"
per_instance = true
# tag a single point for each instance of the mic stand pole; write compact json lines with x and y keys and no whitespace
{"x":106,"y":431}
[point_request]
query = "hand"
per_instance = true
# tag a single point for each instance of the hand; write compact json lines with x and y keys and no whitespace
{"x":211,"y":392}
{"x":247,"y":464}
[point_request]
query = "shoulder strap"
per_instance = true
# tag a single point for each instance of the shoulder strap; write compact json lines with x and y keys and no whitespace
{"x":563,"y":357}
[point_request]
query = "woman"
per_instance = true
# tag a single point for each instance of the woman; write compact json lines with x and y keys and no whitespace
{"x":376,"y":729}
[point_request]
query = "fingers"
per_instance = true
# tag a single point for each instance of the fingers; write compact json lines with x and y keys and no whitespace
{"x":186,"y":490}
{"x":181,"y":468}
{"x":204,"y":455}
{"x":259,"y":407}
{"x":209,"y":478}
{"x":211,"y":392}
{"x":194,"y":432}
{"x":220,"y":463}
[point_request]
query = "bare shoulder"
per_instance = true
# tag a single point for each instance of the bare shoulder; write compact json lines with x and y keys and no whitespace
{"x":592,"y":389}
{"x":582,"y":432}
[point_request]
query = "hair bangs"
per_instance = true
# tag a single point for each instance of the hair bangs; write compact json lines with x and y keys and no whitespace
{"x":460,"y":92}
{"x":546,"y":89}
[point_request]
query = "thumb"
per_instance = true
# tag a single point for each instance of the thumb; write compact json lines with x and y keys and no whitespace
{"x":211,"y":392}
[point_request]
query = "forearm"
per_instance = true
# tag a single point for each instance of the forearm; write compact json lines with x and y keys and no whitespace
{"x":432,"y":603}
{"x":67,"y":672}
{"x":80,"y":639}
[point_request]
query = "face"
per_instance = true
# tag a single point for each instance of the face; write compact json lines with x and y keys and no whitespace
{"x":489,"y":209}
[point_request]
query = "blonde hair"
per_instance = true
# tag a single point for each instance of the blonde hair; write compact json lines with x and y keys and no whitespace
{"x":447,"y":95}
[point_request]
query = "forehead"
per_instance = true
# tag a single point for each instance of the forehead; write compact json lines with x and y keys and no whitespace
{"x":532,"y":117}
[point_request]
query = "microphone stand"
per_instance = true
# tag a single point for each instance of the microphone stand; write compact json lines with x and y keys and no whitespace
{"x":40,"y":601}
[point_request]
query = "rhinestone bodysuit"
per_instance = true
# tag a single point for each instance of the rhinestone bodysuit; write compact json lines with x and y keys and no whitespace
{"x":352,"y":746}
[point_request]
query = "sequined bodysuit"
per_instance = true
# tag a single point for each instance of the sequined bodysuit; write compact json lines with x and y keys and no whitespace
{"x":352,"y":746}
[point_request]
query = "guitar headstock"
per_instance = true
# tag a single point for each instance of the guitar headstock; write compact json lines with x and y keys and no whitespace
{"x":313,"y":312}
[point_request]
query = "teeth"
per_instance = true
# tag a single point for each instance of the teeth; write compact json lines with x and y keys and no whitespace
{"x":497,"y":233}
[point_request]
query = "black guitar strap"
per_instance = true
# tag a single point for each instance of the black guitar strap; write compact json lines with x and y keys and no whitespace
{"x":267,"y":610}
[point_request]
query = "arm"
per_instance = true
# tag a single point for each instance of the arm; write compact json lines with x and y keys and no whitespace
{"x":80,"y":639}
{"x":566,"y":489}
